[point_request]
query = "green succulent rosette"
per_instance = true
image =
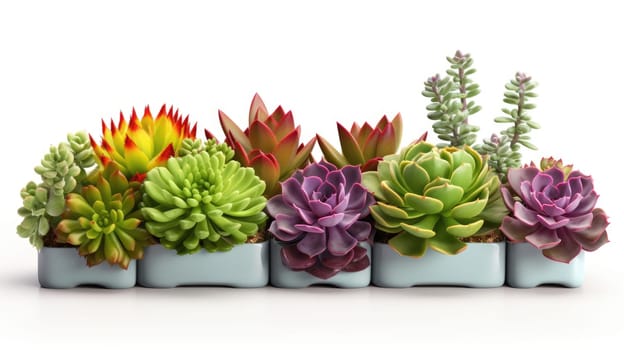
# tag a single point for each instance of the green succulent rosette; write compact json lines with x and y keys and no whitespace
{"x":203,"y":201}
{"x":102,"y":220}
{"x":432,"y":198}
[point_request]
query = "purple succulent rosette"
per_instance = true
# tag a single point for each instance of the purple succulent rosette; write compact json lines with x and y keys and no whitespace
{"x":319,"y":220}
{"x":553,"y":212}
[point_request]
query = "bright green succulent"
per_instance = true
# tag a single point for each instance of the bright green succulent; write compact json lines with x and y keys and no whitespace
{"x":202,"y":201}
{"x":430,"y":197}
{"x":58,"y":172}
{"x":103,"y":221}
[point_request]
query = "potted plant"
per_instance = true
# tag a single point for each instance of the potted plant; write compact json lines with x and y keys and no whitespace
{"x":552,"y":221}
{"x":320,"y":235}
{"x":429,"y":200}
{"x":68,"y":216}
{"x":206,"y":211}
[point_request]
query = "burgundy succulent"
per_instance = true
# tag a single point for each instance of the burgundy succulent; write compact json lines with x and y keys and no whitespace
{"x":319,"y":220}
{"x":553,"y":211}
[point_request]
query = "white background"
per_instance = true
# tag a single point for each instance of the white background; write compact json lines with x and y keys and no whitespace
{"x":63,"y":66}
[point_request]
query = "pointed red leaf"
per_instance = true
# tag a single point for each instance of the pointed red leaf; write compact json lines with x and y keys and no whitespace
{"x":364,"y":133}
{"x":267,"y":168}
{"x":233,"y":132}
{"x":286,"y":149}
{"x":355,"y":129}
{"x":239,"y":152}
{"x":397,"y":124}
{"x":387,"y":143}
{"x":208,"y":134}
{"x":350,"y":148}
{"x":262,"y":137}
{"x":257,"y":110}
{"x":285,"y":125}
{"x":303,"y":154}
{"x":369,"y":148}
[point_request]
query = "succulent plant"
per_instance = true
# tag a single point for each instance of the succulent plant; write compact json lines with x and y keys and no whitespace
{"x":202,"y":201}
{"x":211,"y":146}
{"x":61,"y":170}
{"x":137,"y":146}
{"x":35,"y":224}
{"x":103,"y":221}
{"x":450,"y":102}
{"x":319,"y":220}
{"x":365,"y":146}
{"x":553,"y":211}
{"x":270,"y":144}
{"x":504,"y":150}
{"x":430,"y":197}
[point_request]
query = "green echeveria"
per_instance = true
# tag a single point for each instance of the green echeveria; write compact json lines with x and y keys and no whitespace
{"x":203,"y":201}
{"x":211,"y":146}
{"x":102,"y":221}
{"x":35,"y":224}
{"x":432,"y":197}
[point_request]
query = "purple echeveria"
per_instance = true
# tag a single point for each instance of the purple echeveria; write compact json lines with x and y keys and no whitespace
{"x":553,"y":212}
{"x":319,"y":220}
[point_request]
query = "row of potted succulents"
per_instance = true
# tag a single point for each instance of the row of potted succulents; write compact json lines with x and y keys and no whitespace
{"x":152,"y":203}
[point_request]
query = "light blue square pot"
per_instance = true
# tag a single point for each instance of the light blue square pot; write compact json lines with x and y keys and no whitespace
{"x":283,"y":277}
{"x":245,"y":266}
{"x":65,"y":268}
{"x":528,"y":268}
{"x":481,"y":265}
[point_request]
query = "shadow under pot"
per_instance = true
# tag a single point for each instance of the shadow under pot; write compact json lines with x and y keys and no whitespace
{"x":284,"y":277}
{"x":481,"y":265}
{"x":63,"y":268}
{"x":245,"y":266}
{"x":527,"y":267}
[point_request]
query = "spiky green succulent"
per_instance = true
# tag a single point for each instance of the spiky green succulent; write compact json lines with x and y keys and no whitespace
{"x":430,"y":197}
{"x":103,"y":221}
{"x":210,"y":146}
{"x":202,"y":201}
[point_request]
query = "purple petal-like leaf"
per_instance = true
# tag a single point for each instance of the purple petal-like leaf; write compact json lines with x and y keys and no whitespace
{"x":515,"y":230}
{"x":310,"y":184}
{"x":592,"y":246}
{"x":556,"y":174}
{"x":552,"y":193}
{"x":515,"y":177}
{"x":573,"y":203}
{"x":335,"y":178}
{"x":331,"y":220}
{"x":316,"y":169}
{"x":293,"y":193}
{"x":507,"y":198}
{"x":340,"y":242}
{"x":580,"y":223}
{"x":576,"y":185}
{"x":539,"y":183}
{"x":319,"y":208}
{"x":567,"y":250}
{"x":587,"y":204}
{"x":542,"y":198}
{"x":564,"y":189}
{"x":276,"y":205}
{"x":327,"y":165}
{"x":335,"y":262}
{"x":360,"y":230}
{"x":322,"y":272}
{"x":357,"y":265}
{"x":562,"y":202}
{"x":553,"y":223}
{"x":352,"y":175}
{"x":305,"y":215}
{"x":286,"y":223}
{"x":312,"y":244}
{"x":525,"y":215}
{"x":349,"y":220}
{"x":294,"y":259}
{"x":588,"y":185}
{"x":552,"y":210}
{"x":543,"y":239}
{"x":282,"y":235}
{"x":327,"y":189}
{"x":596,"y":229}
{"x":309,"y":228}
